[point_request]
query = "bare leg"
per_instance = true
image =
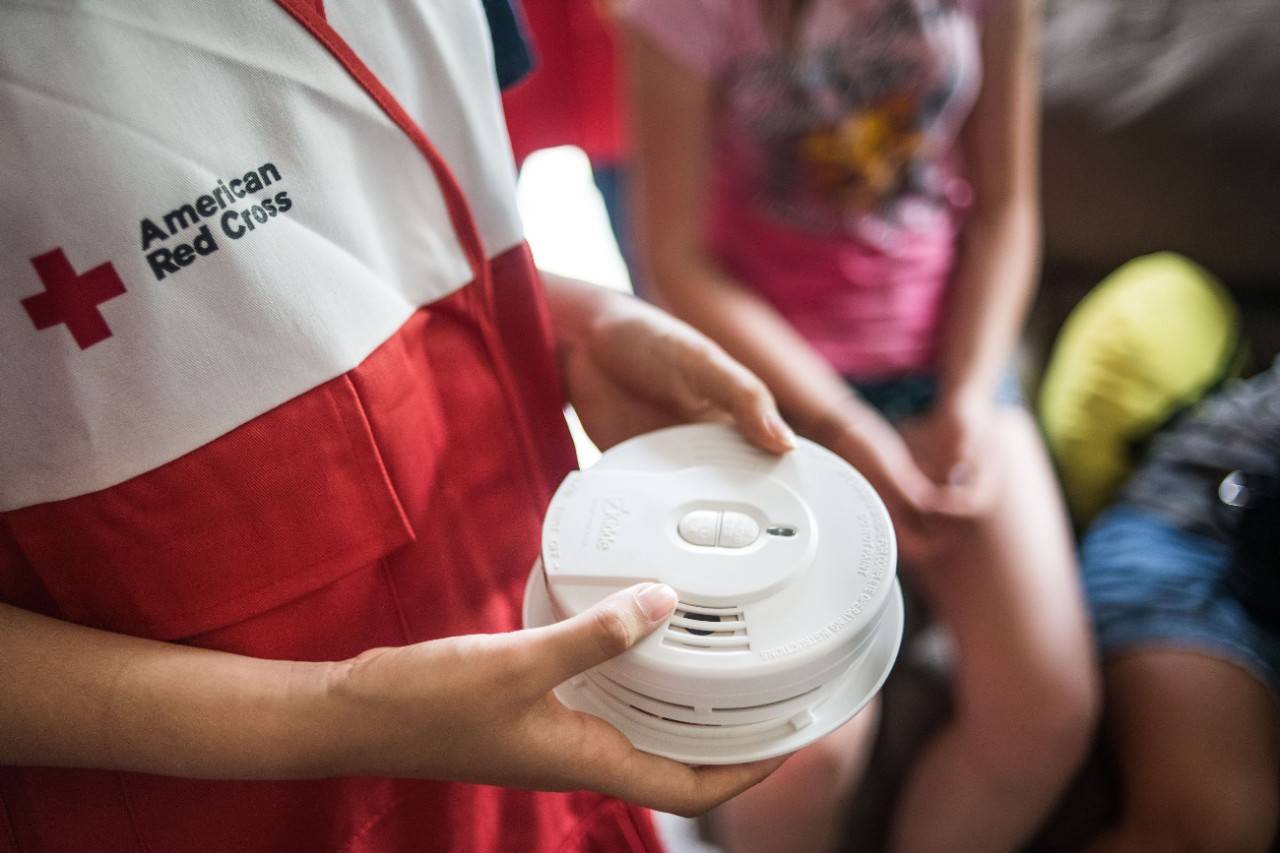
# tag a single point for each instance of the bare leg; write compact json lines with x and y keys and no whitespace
{"x":1199,"y":747}
{"x":1006,"y":585}
{"x":800,"y":807}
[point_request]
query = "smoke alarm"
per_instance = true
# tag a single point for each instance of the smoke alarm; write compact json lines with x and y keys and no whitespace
{"x":789,"y":615}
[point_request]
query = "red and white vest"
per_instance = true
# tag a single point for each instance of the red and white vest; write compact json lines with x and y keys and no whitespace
{"x":276,"y":377}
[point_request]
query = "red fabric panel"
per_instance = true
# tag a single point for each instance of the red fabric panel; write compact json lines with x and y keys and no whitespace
{"x":523,"y":323}
{"x":19,"y":584}
{"x":573,"y":96}
{"x":8,"y":841}
{"x":44,"y":804}
{"x":614,"y":825}
{"x":578,"y":822}
{"x":479,"y":515}
{"x":290,"y":501}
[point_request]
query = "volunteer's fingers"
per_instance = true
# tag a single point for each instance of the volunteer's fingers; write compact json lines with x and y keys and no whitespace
{"x":608,"y":629}
{"x":689,"y":791}
{"x":619,"y":769}
{"x":713,"y":375}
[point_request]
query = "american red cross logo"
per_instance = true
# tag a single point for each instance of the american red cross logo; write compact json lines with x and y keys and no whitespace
{"x":73,"y":299}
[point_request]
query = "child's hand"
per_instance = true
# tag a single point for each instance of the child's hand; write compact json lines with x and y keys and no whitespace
{"x":952,"y":446}
{"x":479,"y":709}
{"x":872,"y":445}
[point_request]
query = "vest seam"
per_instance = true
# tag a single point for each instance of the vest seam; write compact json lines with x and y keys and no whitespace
{"x":129,"y":811}
{"x":389,"y":579}
{"x":464,"y":227}
{"x":369,"y":824}
{"x":8,"y":824}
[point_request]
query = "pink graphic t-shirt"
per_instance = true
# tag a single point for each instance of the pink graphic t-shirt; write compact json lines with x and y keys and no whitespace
{"x":837,"y":188}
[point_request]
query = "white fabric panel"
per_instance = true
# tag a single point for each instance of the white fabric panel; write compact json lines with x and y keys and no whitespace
{"x":117,"y":111}
{"x":462,"y":85}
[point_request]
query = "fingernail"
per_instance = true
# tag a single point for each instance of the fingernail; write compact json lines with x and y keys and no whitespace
{"x":657,"y":600}
{"x":780,"y":429}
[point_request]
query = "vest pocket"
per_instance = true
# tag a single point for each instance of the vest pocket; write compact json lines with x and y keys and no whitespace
{"x":278,"y":507}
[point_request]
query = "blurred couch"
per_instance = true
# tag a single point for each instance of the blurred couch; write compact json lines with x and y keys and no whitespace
{"x":1161,"y":131}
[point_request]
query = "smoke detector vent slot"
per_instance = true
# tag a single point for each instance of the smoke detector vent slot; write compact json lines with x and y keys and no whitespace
{"x":695,"y":626}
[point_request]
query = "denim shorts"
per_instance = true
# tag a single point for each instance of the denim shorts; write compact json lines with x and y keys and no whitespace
{"x":1151,"y":584}
{"x":913,"y":395}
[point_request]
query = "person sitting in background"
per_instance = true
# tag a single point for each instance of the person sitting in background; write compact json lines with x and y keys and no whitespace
{"x":826,"y":190}
{"x":1183,"y":578}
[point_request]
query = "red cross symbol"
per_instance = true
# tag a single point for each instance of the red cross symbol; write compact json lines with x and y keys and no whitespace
{"x":73,"y":299}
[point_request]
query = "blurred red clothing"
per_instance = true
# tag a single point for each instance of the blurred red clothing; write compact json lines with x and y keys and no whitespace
{"x":572,"y":97}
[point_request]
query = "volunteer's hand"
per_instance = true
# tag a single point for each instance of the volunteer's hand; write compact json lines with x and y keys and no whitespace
{"x":630,"y":368}
{"x":479,"y":709}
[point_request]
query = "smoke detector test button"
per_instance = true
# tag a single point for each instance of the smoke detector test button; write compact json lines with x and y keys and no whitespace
{"x":724,"y":528}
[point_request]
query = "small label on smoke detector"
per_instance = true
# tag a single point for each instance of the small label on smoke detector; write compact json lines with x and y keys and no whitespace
{"x":613,"y":512}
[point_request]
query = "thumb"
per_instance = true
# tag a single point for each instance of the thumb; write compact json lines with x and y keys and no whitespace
{"x":606,"y":630}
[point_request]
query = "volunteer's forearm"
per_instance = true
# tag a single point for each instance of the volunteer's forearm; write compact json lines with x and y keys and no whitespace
{"x":78,"y":697}
{"x":989,"y":299}
{"x":579,"y":309}
{"x":575,"y":305}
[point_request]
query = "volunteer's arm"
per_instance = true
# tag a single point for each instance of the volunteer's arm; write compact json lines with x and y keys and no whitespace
{"x":671,"y":109}
{"x":995,"y":277}
{"x":473,"y":708}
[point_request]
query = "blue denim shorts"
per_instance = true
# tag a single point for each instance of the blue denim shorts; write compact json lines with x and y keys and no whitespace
{"x":1151,"y":584}
{"x":913,"y":395}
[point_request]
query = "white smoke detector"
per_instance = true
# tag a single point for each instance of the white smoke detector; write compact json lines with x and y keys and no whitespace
{"x":789,"y":614}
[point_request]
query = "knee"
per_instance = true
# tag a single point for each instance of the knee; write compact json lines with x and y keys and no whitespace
{"x":1038,"y":734}
{"x":1237,"y":827}
{"x":828,"y":767}
{"x":1217,"y":819}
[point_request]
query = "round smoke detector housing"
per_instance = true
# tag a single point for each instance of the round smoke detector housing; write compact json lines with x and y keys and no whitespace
{"x":789,"y":615}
